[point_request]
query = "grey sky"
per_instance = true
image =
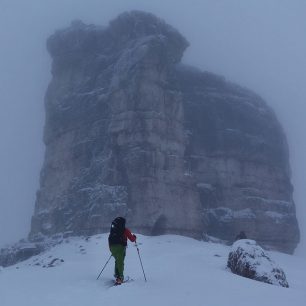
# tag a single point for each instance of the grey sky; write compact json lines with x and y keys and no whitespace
{"x":259,"y":44}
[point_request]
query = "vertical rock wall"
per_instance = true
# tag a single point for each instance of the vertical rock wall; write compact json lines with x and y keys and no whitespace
{"x":130,"y":131}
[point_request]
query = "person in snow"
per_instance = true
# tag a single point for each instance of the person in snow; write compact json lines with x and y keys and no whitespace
{"x":117,"y":241}
{"x":241,"y":235}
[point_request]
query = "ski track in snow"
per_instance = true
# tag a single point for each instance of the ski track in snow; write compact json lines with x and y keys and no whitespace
{"x":180,"y":271}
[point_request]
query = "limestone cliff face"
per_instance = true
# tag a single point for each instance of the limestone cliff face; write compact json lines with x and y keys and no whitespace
{"x":130,"y":131}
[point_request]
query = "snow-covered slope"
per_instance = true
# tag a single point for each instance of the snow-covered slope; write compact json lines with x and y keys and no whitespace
{"x":180,"y":271}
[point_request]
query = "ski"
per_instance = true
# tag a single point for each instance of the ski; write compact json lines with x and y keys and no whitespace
{"x":126,"y":280}
{"x":112,"y":283}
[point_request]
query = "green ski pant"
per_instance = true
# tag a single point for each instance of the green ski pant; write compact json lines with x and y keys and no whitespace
{"x":118,"y":251}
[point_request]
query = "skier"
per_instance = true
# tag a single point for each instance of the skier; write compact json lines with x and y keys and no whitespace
{"x":117,"y":241}
{"x":241,"y":235}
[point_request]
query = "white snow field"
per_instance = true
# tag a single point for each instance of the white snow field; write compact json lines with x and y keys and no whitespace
{"x":180,"y":271}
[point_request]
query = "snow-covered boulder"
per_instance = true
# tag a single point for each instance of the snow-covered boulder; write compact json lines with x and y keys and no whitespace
{"x":249,"y":260}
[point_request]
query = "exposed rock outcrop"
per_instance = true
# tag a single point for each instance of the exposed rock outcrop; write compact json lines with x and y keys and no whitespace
{"x":249,"y":260}
{"x":130,"y":131}
{"x":18,"y":252}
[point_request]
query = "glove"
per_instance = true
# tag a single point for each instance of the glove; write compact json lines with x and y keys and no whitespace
{"x":135,"y":237}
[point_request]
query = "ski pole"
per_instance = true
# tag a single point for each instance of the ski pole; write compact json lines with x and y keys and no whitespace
{"x":140,"y":262}
{"x":104,"y":266}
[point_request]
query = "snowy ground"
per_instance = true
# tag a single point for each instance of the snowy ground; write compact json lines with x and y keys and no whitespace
{"x":180,"y":271}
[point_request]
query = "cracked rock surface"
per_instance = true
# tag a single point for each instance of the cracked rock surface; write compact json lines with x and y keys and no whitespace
{"x":132,"y":131}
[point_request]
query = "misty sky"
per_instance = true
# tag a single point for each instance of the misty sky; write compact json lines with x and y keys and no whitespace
{"x":260,"y":44}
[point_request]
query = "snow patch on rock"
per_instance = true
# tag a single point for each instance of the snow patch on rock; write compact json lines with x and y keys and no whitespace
{"x":248,"y":259}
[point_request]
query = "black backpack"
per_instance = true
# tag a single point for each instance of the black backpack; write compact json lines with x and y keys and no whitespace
{"x":117,"y":231}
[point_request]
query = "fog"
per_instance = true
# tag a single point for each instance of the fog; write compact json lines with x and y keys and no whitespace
{"x":259,"y":44}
